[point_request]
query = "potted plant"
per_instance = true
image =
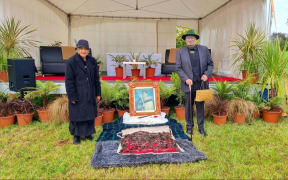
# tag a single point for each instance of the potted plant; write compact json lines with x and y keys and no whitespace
{"x":24,"y":111}
{"x":6,"y":112}
{"x":14,"y":43}
{"x":119,"y":59}
{"x":58,"y":110}
{"x":258,"y":102}
{"x":218,"y":105}
{"x":43,"y":91}
{"x":120,"y":98}
{"x":165,"y":93}
{"x":135,"y":58}
{"x":150,"y":71}
{"x":107,"y":102}
{"x":247,"y":47}
{"x":272,"y":111}
{"x":240,"y":107}
{"x":180,"y":109}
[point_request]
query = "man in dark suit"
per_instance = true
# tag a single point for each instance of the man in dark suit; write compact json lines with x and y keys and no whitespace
{"x":194,"y":66}
{"x":83,"y":89}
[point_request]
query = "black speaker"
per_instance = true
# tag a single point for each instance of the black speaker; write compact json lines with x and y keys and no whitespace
{"x":21,"y":73}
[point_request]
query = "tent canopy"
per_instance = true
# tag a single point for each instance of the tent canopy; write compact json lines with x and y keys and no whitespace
{"x":174,"y":9}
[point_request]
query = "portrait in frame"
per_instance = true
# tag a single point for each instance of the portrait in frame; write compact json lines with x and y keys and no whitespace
{"x":144,"y":98}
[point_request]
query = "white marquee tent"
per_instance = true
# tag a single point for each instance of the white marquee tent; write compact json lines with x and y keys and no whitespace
{"x":140,"y":25}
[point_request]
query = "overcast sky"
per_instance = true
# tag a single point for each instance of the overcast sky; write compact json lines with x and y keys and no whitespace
{"x":281,"y":8}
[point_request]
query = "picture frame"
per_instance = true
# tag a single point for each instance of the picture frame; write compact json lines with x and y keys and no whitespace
{"x":144,"y":98}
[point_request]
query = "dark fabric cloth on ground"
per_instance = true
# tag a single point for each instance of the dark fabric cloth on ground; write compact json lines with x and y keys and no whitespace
{"x":106,"y":155}
{"x":110,"y":130}
{"x":82,"y":128}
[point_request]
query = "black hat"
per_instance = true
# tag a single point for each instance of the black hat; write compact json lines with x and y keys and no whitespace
{"x":191,"y":32}
{"x":82,"y":44}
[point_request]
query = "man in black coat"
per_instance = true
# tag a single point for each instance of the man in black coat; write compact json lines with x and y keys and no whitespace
{"x":84,"y":90}
{"x":194,"y":65}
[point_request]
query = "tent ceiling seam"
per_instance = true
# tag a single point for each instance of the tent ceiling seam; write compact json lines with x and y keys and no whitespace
{"x":157,"y":3}
{"x":79,"y":6}
{"x":185,"y":5}
{"x":55,"y":6}
{"x":220,"y":7}
{"x":122,"y":4}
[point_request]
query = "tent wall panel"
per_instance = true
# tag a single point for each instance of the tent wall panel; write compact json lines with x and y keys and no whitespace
{"x":220,"y":28}
{"x":51,"y":24}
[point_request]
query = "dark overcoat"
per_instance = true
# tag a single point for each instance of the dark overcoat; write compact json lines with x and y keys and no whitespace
{"x":82,"y":85}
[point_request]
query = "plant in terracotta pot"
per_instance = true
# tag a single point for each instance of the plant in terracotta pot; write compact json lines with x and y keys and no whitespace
{"x":165,"y":93}
{"x":247,"y":46}
{"x":6,"y":112}
{"x":218,"y":105}
{"x":14,"y":42}
{"x":120,"y":98}
{"x":107,"y":102}
{"x":135,"y":58}
{"x":24,"y":110}
{"x":119,"y":59}
{"x":180,"y":109}
{"x":58,"y":110}
{"x":43,"y":90}
{"x":240,"y":107}
{"x":272,"y":109}
{"x":150,"y":71}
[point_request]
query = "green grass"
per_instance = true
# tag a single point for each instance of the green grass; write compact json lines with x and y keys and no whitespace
{"x":39,"y":150}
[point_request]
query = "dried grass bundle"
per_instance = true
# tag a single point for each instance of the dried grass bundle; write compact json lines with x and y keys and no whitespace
{"x":58,"y":110}
{"x":241,"y":106}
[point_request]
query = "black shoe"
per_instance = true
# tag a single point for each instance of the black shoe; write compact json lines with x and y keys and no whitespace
{"x":189,"y":131}
{"x":203,"y":132}
{"x":76,"y":140}
{"x":90,"y":138}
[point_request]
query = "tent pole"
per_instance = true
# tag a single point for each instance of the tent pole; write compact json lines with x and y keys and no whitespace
{"x":69,"y":29}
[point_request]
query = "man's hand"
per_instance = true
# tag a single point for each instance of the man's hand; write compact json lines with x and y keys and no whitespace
{"x":98,"y":98}
{"x":204,"y":77}
{"x":189,"y":82}
{"x":73,"y":102}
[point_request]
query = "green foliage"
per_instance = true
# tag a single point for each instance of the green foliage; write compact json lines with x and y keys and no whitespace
{"x":223,"y":90}
{"x":120,"y":96}
{"x":3,"y":97}
{"x":118,"y":59}
{"x":43,"y":90}
{"x":133,"y":57}
{"x":282,"y":37}
{"x":149,"y":62}
{"x":175,"y":79}
{"x":274,"y":102}
{"x":14,"y":40}
{"x":247,"y":47}
{"x":106,"y":94}
{"x":274,"y":67}
{"x":165,"y":92}
{"x":241,"y":89}
{"x":180,"y":30}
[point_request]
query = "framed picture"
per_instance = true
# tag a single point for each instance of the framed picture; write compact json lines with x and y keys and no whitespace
{"x":144,"y":98}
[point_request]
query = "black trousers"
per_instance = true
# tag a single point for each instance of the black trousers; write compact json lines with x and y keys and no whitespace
{"x":82,"y":128}
{"x":199,"y":108}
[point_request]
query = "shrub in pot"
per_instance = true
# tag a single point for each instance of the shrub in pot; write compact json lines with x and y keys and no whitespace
{"x":120,"y":98}
{"x":24,"y":110}
{"x":150,"y":71}
{"x":119,"y":59}
{"x":273,"y":109}
{"x":135,"y":58}
{"x":165,"y":93}
{"x":6,"y":112}
{"x":43,"y":90}
{"x":107,"y":102}
{"x":180,"y":109}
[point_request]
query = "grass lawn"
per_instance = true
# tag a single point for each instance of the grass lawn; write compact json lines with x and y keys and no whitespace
{"x":39,"y":150}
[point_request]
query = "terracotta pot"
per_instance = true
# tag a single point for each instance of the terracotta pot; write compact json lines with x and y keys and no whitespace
{"x":108,"y":115}
{"x":6,"y":121}
{"x":239,"y":118}
{"x":244,"y":74}
{"x":165,"y":109}
{"x":256,"y":114}
{"x":278,"y":109}
{"x":43,"y":115}
{"x":271,"y":116}
{"x":219,"y":119}
{"x":254,"y":79}
{"x":24,"y":119}
{"x":180,"y":112}
{"x":150,"y":72}
{"x":119,"y":72}
{"x":98,"y":120}
{"x":135,"y":72}
{"x":4,"y":76}
{"x":121,"y":112}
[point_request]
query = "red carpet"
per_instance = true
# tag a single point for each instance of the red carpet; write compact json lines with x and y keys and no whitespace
{"x":110,"y":78}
